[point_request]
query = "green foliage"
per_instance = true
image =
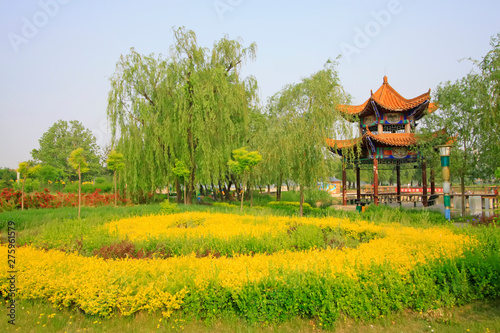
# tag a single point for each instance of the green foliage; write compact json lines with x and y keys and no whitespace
{"x":48,"y":173}
{"x":28,"y":168}
{"x":302,"y":116}
{"x":30,"y":185}
{"x":115,"y":161}
{"x":78,"y":160}
{"x":168,"y":207}
{"x":192,"y":106}
{"x":105,"y":187}
{"x":223,"y":204}
{"x":243,"y":161}
{"x":180,"y":170}
{"x":290,"y":207}
{"x":60,"y":140}
{"x":7,"y":177}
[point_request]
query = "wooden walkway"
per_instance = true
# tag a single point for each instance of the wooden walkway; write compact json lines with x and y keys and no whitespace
{"x":391,"y":197}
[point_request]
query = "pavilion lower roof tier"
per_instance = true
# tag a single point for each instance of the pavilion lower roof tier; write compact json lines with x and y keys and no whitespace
{"x":388,"y":139}
{"x":370,"y":140}
{"x":387,"y":99}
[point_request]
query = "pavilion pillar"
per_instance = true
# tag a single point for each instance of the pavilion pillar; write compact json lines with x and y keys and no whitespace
{"x":358,"y":184}
{"x":433,"y":183}
{"x":398,"y":184}
{"x":344,"y":187}
{"x":375,"y":180}
{"x":424,"y":183}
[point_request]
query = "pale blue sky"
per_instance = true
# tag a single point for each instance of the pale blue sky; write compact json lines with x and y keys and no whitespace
{"x":61,"y":69}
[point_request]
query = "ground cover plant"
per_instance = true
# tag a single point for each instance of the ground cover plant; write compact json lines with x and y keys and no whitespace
{"x":218,"y":266}
{"x":11,"y":199}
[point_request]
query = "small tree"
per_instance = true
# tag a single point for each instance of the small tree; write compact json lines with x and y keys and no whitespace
{"x":26,"y":169}
{"x":242,"y":164}
{"x":49,"y":174}
{"x":115,"y":163}
{"x":181,"y":172}
{"x":78,"y":162}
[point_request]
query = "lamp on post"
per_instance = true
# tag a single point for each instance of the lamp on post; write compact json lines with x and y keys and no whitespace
{"x":444,"y":152}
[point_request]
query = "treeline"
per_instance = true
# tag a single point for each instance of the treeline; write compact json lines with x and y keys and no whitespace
{"x":177,"y":120}
{"x":193,"y":108}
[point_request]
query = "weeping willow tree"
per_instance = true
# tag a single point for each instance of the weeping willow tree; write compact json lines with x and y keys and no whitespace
{"x":192,"y":106}
{"x":305,"y":115}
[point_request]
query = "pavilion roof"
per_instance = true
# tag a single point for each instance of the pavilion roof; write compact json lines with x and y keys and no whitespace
{"x":386,"y":139}
{"x":393,"y":139}
{"x":386,"y":97}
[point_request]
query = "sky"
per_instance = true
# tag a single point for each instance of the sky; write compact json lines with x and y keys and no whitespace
{"x":56,"y":56}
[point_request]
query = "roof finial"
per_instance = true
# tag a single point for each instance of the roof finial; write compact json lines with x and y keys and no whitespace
{"x":385,"y":79}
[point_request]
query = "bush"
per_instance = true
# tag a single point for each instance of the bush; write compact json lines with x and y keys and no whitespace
{"x":224,"y":204}
{"x":290,"y":207}
{"x":314,"y":196}
{"x":168,"y":207}
{"x":105,"y":187}
{"x":261,"y":199}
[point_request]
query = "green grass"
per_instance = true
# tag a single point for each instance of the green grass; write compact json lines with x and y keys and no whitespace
{"x":33,"y":316}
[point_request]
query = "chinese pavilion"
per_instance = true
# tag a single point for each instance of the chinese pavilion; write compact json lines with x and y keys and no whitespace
{"x":387,"y":124}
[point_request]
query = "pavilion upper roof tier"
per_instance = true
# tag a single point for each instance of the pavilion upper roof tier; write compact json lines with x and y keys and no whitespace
{"x":388,"y":99}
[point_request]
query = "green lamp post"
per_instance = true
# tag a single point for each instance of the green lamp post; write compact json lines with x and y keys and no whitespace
{"x":444,"y":152}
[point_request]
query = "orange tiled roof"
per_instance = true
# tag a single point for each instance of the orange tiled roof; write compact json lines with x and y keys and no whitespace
{"x":341,"y":144}
{"x":393,"y":139}
{"x":387,"y":97}
{"x":390,"y":139}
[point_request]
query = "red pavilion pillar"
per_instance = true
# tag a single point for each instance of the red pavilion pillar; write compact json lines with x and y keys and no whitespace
{"x":433,"y":182}
{"x":344,"y":187}
{"x":424,"y":183}
{"x":398,"y":184}
{"x":375,"y":180}
{"x":358,"y":184}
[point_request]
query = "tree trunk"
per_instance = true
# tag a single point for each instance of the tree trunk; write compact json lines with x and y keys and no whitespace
{"x":251,"y":197}
{"x":238,"y":190}
{"x":213,"y":191}
{"x":185,"y":192}
{"x":243,"y":192}
{"x":190,"y":189}
{"x":114,"y":178}
{"x":278,"y":188}
{"x":228,"y":191}
{"x":178,"y":191}
{"x":221,"y":190}
{"x":301,"y":200}
{"x":462,"y":186}
{"x":268,"y":189}
{"x":22,"y":194}
{"x":79,"y":191}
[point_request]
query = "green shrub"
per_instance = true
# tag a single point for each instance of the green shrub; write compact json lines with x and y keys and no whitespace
{"x":224,"y":204}
{"x":289,"y":207}
{"x":314,"y":196}
{"x":168,"y":207}
{"x":106,"y":187}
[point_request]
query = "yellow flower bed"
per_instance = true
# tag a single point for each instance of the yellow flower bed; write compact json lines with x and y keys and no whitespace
{"x":99,"y":286}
